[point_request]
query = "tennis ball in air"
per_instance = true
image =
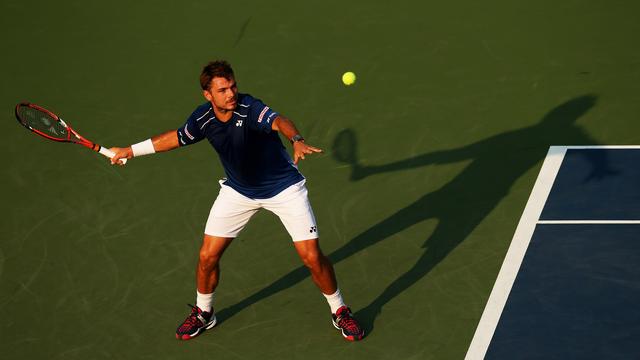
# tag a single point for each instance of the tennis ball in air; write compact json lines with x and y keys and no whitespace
{"x":348,"y":78}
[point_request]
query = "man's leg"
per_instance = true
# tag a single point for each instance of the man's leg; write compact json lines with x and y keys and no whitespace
{"x":294,"y":210}
{"x":319,"y":265}
{"x":208,"y":270}
{"x":324,"y":277}
{"x":229,"y":214}
{"x":207,"y":275}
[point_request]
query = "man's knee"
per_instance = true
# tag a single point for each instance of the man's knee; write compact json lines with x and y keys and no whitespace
{"x":212,"y":250}
{"x":313,"y":259}
{"x":208,"y":259}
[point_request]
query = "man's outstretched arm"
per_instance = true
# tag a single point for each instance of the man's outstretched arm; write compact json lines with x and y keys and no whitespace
{"x":288,"y":129}
{"x":163,"y":142}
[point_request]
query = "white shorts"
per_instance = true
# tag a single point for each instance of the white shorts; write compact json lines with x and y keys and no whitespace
{"x":231,"y":212}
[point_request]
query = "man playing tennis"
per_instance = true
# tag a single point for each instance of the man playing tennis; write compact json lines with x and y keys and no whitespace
{"x":260,"y":174}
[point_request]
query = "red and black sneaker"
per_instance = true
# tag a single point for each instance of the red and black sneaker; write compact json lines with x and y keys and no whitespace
{"x":195,"y":323}
{"x":343,"y":320}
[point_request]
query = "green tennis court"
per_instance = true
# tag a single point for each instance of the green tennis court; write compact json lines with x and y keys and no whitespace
{"x":429,"y":160}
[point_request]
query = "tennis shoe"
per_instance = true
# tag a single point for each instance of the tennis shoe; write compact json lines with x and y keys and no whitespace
{"x":195,"y":323}
{"x":343,"y":320}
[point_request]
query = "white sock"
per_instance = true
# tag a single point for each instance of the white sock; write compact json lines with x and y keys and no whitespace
{"x":204,"y":301}
{"x":335,"y":301}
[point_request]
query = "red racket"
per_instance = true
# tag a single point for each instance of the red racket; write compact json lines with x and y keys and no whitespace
{"x":49,"y":125}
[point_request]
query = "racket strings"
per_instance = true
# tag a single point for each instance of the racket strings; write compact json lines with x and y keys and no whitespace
{"x":43,"y":122}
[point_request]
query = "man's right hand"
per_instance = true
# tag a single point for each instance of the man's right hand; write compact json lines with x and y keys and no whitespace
{"x":121,"y":153}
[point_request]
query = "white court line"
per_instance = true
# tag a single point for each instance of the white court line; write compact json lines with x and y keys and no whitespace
{"x":515,"y":254}
{"x":604,"y":147}
{"x":588,"y":222}
{"x":511,"y":265}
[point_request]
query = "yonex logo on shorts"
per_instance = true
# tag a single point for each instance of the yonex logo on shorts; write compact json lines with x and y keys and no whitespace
{"x":313,"y":229}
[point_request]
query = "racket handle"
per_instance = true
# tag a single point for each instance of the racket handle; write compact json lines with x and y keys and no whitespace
{"x":108,"y":153}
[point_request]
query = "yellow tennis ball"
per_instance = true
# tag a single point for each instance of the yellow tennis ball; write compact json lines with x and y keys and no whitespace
{"x":348,"y":78}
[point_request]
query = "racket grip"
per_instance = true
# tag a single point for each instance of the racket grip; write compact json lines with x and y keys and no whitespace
{"x":108,"y":153}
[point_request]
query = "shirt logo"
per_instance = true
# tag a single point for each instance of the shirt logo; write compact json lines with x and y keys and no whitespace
{"x":239,"y":123}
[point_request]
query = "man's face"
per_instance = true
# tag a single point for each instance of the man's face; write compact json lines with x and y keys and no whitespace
{"x":223,"y":93}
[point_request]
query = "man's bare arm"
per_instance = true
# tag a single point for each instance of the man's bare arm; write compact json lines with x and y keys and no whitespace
{"x":163,"y":142}
{"x":288,"y":129}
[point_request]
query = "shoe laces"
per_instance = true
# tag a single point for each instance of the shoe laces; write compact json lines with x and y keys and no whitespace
{"x":193,"y":319}
{"x":348,"y":323}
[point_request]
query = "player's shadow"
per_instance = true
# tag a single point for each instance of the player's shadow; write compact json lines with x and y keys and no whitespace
{"x":460,"y":205}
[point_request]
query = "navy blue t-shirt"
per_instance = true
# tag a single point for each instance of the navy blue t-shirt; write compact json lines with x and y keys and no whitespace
{"x":256,"y":163}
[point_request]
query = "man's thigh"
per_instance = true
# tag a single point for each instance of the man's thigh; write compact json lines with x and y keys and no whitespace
{"x":293,"y":208}
{"x":230,"y":213}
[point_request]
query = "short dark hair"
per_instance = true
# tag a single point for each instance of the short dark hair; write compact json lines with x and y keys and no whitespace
{"x":217,"y":68}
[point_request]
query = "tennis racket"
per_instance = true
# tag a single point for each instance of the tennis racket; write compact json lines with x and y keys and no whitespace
{"x":49,"y":125}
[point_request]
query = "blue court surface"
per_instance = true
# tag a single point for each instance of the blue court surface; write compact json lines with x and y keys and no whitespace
{"x":569,"y":287}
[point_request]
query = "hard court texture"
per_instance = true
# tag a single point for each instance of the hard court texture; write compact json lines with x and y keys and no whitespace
{"x":429,"y":160}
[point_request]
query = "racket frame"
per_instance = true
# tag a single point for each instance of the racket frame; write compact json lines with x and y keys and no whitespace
{"x":76,"y":139}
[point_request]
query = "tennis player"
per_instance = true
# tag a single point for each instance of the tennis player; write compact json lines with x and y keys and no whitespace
{"x":259,"y":174}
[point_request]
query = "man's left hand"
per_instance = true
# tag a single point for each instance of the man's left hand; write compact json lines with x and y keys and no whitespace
{"x":300,"y":149}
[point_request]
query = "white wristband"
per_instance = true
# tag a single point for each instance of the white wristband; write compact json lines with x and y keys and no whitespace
{"x":143,"y":148}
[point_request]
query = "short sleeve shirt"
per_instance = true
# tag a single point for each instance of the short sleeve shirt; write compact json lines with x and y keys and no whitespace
{"x":256,"y":163}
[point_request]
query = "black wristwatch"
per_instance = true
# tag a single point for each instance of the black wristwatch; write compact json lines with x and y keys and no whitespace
{"x":296,"y":137}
